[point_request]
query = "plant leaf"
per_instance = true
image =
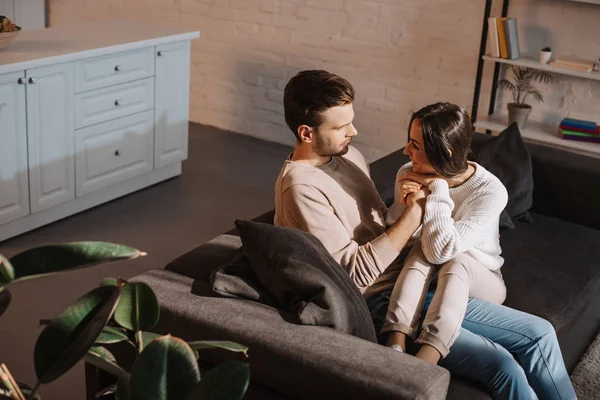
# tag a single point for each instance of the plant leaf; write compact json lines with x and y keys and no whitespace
{"x":5,"y":298}
{"x":165,"y":370}
{"x":109,"y":282}
{"x":231,"y":346}
{"x":68,"y":338}
{"x":138,"y":307}
{"x":105,"y":364}
{"x":103,"y":352}
{"x":147,"y":337}
{"x":228,"y":381}
{"x":7,"y":271}
{"x":111,"y":335}
{"x":47,"y":260}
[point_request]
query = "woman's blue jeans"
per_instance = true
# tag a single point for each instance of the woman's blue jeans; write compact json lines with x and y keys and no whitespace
{"x":514,"y":354}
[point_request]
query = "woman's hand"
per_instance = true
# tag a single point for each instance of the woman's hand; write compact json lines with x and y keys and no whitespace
{"x":421,"y":179}
{"x":406,"y":188}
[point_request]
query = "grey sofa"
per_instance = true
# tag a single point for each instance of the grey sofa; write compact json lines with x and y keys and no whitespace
{"x":552,"y":270}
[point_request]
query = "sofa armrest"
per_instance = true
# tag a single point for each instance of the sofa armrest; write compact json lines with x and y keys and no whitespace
{"x":296,"y":360}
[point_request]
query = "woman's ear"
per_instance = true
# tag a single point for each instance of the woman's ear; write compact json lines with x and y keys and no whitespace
{"x":305,"y":133}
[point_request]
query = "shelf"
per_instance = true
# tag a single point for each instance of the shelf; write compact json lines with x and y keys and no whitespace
{"x":536,"y":132}
{"x":535,"y":64}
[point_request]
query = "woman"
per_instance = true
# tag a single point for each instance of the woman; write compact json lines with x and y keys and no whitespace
{"x":458,"y":243}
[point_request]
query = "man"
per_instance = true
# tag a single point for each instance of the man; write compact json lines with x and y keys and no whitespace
{"x":324,"y":188}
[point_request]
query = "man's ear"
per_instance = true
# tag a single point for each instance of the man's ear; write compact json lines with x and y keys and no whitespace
{"x":306,"y":133}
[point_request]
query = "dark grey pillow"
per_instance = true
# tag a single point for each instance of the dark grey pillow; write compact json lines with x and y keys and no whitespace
{"x":236,"y":279}
{"x":304,"y":279}
{"x":507,"y":157}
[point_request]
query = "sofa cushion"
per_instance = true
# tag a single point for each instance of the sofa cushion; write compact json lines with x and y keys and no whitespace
{"x":237,"y":280}
{"x":507,"y":157}
{"x":551,"y":269}
{"x":299,"y":272}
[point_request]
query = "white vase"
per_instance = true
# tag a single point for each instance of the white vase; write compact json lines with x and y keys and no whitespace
{"x":545,"y":56}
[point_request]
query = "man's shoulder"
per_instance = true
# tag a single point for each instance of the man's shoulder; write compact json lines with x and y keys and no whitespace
{"x":294,"y":174}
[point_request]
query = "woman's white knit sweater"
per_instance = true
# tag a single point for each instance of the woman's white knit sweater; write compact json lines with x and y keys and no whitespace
{"x":459,"y":219}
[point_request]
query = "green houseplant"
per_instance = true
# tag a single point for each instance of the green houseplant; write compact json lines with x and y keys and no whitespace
{"x":521,"y":88}
{"x":118,"y":311}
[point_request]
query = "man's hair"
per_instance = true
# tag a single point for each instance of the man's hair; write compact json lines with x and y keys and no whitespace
{"x":310,"y":93}
{"x":446,"y":127}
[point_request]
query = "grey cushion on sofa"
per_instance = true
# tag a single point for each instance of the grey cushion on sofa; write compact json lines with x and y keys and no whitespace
{"x":303,"y":362}
{"x":552,"y":268}
{"x":298,"y":271}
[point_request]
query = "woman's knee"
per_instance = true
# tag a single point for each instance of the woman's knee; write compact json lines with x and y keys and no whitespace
{"x":541,"y":328}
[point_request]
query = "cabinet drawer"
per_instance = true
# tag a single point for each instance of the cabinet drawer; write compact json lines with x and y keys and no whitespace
{"x":112,"y":69}
{"x":113,"y":151}
{"x":117,"y":101}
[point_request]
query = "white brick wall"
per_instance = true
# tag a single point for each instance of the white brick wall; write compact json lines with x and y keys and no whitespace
{"x":399,"y":55}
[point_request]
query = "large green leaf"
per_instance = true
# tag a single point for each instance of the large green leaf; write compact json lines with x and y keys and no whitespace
{"x":208,"y":344}
{"x":138,"y":307}
{"x":5,"y":298}
{"x":67,"y":339}
{"x":110,"y":335}
{"x":165,"y":370}
{"x":228,"y":381}
{"x":7,"y":272}
{"x":48,"y":260}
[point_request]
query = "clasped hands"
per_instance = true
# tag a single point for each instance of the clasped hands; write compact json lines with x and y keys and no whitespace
{"x":414,"y":187}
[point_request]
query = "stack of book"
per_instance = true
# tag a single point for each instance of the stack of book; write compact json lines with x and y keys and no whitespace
{"x":573,"y":64}
{"x":576,"y":129}
{"x":504,"y":38}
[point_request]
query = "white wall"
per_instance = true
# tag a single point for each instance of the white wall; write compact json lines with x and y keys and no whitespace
{"x":28,"y":14}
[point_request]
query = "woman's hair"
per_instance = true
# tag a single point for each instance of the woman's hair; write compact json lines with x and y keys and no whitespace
{"x":310,"y":93}
{"x":447,"y":134}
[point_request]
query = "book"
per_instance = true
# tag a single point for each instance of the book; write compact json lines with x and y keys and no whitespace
{"x":493,"y":34}
{"x":580,"y":130}
{"x":571,"y":67}
{"x":575,"y":62}
{"x":579,"y":123}
{"x":582,"y":139}
{"x":581,"y":134}
{"x":512,"y":38}
{"x":502,"y":38}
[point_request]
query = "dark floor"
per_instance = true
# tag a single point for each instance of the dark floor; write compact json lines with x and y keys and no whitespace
{"x":226,"y":176}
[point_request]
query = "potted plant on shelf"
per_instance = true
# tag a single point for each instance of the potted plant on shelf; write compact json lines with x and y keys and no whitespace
{"x":545,"y":55}
{"x":522,"y":88}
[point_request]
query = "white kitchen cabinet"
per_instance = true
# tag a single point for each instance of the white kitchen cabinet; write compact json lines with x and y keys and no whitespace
{"x":87,"y":118}
{"x":50,"y":135}
{"x":171,"y":103}
{"x":14,"y":191}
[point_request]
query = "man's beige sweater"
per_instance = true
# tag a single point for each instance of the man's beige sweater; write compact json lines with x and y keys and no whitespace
{"x":339,"y":204}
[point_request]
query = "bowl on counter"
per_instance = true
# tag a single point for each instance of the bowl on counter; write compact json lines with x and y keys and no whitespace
{"x":7,"y":37}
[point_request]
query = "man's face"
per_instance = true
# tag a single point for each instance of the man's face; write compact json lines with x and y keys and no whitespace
{"x":334,"y":135}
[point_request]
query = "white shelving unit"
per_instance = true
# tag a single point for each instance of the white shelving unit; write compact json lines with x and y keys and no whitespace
{"x":535,"y":64}
{"x":537,"y":132}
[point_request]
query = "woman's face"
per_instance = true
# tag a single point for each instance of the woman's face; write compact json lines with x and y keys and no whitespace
{"x":416,"y":150}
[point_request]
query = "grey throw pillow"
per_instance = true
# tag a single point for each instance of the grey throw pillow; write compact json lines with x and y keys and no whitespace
{"x":507,"y":157}
{"x":297,"y":270}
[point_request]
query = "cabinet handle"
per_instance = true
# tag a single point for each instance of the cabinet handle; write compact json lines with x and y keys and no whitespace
{"x":118,"y":68}
{"x":117,"y":103}
{"x":159,"y":53}
{"x":32,"y":81}
{"x":21,"y":81}
{"x":118,"y":152}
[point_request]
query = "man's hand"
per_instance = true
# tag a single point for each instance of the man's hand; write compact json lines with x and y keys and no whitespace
{"x":421,"y":179}
{"x":418,"y":198}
